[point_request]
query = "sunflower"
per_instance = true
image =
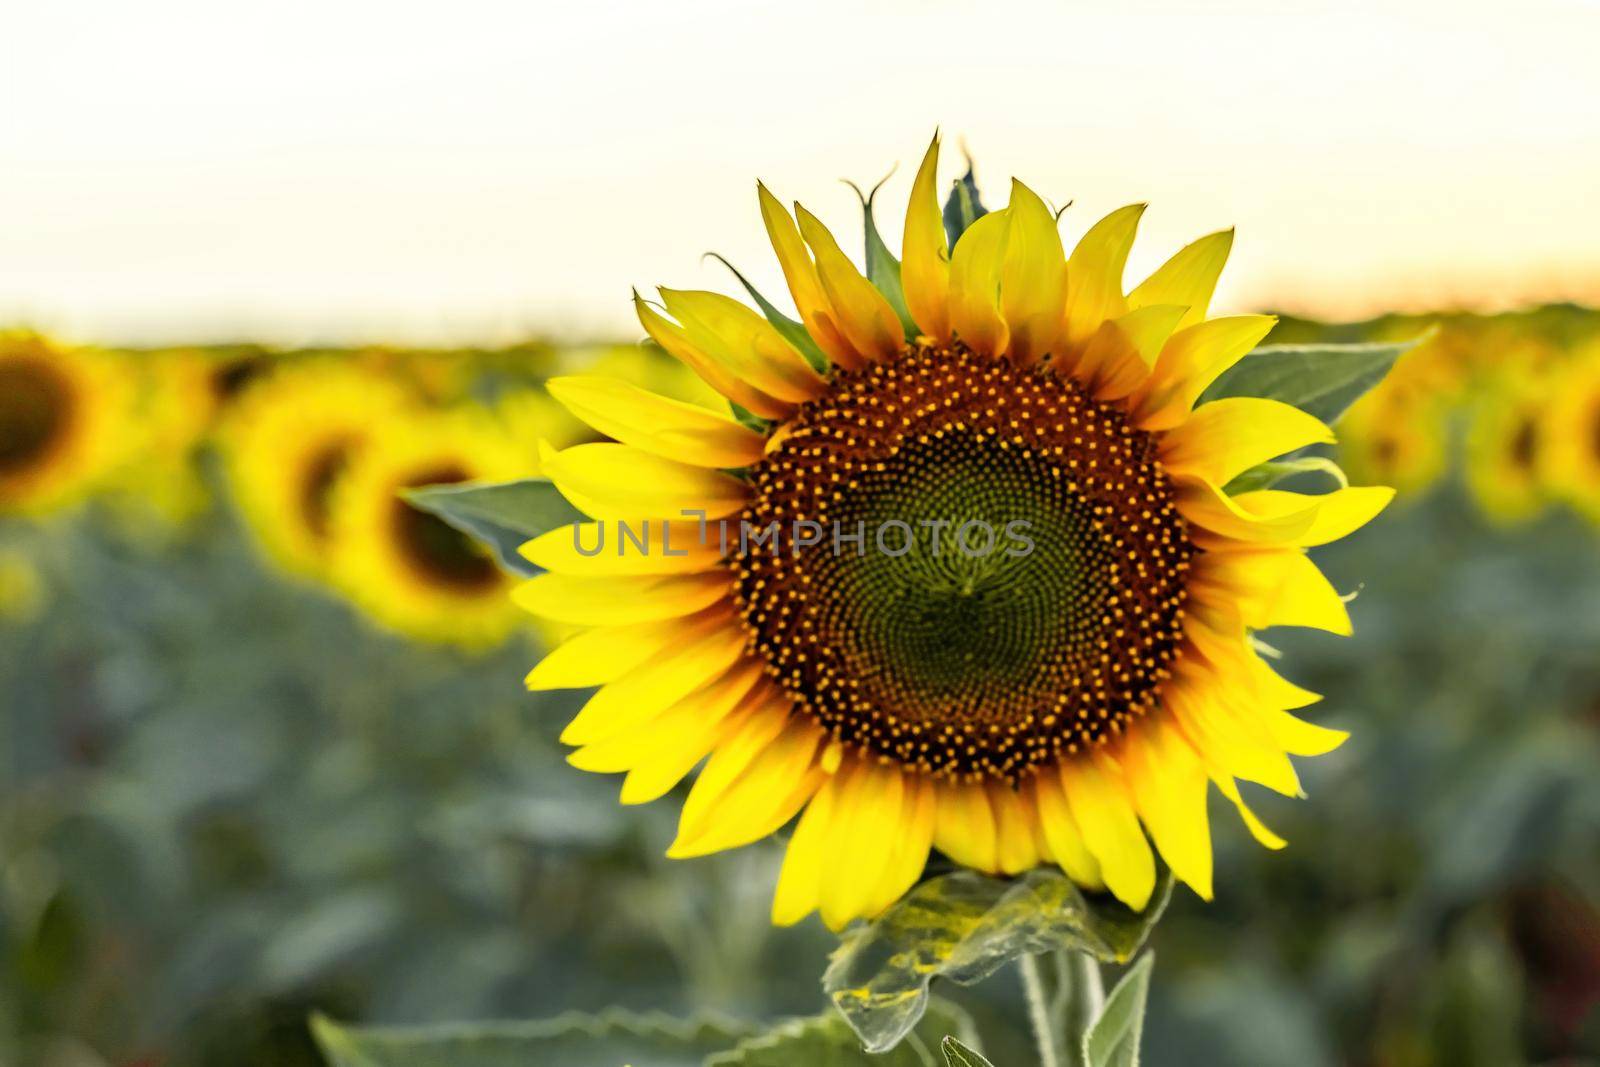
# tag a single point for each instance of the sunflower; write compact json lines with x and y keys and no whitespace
{"x":1570,"y":460}
{"x":1398,"y":437}
{"x":1505,"y":443}
{"x":63,"y":419}
{"x":1024,"y":634}
{"x":407,"y":569}
{"x":287,"y":442}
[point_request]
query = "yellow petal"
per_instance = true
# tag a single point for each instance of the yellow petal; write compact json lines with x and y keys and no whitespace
{"x":1168,"y":785}
{"x":605,"y":654}
{"x":771,"y":788}
{"x":1257,"y":828}
{"x":975,"y":268}
{"x":687,"y":433}
{"x":1104,"y":815}
{"x":925,"y":266}
{"x":1192,"y":360}
{"x":672,"y":337}
{"x":861,"y":312}
{"x":964,"y":827}
{"x":1118,"y":358}
{"x":804,"y":284}
{"x":1094,"y":274}
{"x":1013,"y":830}
{"x":648,"y":546}
{"x":650,"y":689}
{"x":1343,"y":512}
{"x":615,"y":601}
{"x":622,"y":482}
{"x":909,"y":851}
{"x":682,"y":736}
{"x":1228,"y":741}
{"x":1277,"y":690}
{"x":811,"y":850}
{"x":865,"y":823}
{"x":1227,"y":437}
{"x":1033,"y":281}
{"x":747,"y":345}
{"x":1062,"y":834}
{"x":1188,"y":278}
{"x":1306,"y":598}
{"x":1208,"y":507}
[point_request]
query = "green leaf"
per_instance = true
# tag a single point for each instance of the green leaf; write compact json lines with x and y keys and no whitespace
{"x":963,"y":208}
{"x":827,"y":1041}
{"x":883,"y":269}
{"x":1323,"y":380}
{"x":964,"y":926}
{"x":958,"y":1055}
{"x":501,"y":515}
{"x":1113,"y":1039}
{"x":793,"y":332}
{"x":610,"y":1039}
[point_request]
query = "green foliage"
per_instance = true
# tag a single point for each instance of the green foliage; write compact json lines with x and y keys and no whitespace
{"x":501,"y":515}
{"x":1113,"y":1039}
{"x":1322,"y":379}
{"x":615,"y":1037}
{"x":963,"y":926}
{"x":611,"y":1039}
{"x":963,"y":207}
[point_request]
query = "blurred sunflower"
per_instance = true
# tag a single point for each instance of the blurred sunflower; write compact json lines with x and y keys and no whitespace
{"x":1008,"y":708}
{"x":1505,"y":441}
{"x":409,"y":570}
{"x":288,"y":441}
{"x":1396,"y":437}
{"x":63,"y":421}
{"x":1570,"y":459}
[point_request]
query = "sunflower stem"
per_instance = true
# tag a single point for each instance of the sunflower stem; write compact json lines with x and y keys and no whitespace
{"x":1080,"y":997}
{"x":1046,"y":1029}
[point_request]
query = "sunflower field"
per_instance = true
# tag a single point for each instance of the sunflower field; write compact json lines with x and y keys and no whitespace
{"x":276,"y":792}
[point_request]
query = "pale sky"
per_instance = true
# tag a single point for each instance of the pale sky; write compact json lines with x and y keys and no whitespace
{"x":349,"y":170}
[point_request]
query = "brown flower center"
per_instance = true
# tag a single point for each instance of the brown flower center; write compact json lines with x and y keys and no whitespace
{"x":36,"y":413}
{"x":995,"y":576}
{"x":436,"y":551}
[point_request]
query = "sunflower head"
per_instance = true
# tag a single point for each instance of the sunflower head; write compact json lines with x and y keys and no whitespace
{"x":962,"y":571}
{"x":409,"y":570}
{"x":1507,"y":439}
{"x":287,"y":441}
{"x":63,"y":421}
{"x":1570,"y":460}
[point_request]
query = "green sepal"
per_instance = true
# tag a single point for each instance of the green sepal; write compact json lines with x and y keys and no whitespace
{"x":1322,"y":380}
{"x":500,"y":515}
{"x":793,"y":332}
{"x":958,"y":1055}
{"x":747,"y":418}
{"x":1112,"y":1040}
{"x":1268,"y":474}
{"x":964,"y":926}
{"x":883,"y":269}
{"x":963,"y":208}
{"x":608,"y":1039}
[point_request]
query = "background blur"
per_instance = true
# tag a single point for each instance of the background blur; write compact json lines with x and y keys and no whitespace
{"x":264,"y":741}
